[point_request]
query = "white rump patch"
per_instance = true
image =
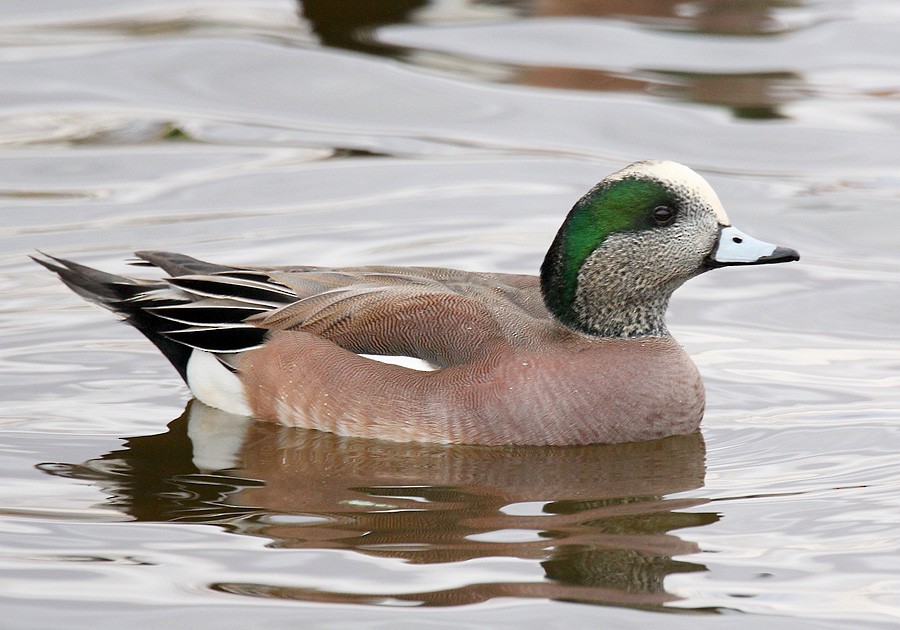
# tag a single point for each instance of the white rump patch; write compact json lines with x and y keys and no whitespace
{"x":215,"y":385}
{"x":413,"y":363}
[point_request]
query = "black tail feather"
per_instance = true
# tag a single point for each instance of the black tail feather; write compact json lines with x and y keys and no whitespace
{"x":178,"y":354}
{"x":202,"y":306}
{"x":180,"y":264}
{"x":117,"y":294}
{"x":106,"y":289}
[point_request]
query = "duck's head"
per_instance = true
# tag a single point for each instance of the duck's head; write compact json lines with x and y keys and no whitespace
{"x":632,"y":240}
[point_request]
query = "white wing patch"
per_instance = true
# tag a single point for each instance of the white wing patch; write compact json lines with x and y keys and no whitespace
{"x":214,"y":385}
{"x":413,"y":363}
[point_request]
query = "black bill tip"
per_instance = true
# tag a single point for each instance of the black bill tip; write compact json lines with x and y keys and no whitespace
{"x":780,"y":255}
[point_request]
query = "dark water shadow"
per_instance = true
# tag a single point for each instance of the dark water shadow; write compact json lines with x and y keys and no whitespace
{"x":596,"y":519}
{"x":349,"y":24}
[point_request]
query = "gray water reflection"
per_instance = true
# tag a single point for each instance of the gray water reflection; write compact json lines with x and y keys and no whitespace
{"x":597,"y":520}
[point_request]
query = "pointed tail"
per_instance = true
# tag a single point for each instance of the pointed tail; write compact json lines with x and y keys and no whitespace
{"x":122,"y":295}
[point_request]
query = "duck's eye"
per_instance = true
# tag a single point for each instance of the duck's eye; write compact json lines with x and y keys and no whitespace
{"x":663,"y":215}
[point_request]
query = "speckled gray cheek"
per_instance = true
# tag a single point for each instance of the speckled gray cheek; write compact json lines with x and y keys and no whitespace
{"x":624,"y":287}
{"x":618,"y":293}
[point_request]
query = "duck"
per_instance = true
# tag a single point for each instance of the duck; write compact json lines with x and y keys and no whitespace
{"x":579,"y":354}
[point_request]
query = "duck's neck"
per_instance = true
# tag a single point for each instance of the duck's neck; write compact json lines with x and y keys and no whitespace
{"x":603,"y":299}
{"x":602,"y":315}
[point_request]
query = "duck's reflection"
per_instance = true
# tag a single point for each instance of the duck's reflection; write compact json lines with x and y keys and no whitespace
{"x":595,"y":518}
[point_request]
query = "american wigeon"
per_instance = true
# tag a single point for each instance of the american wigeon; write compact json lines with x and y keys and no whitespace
{"x":580,"y":354}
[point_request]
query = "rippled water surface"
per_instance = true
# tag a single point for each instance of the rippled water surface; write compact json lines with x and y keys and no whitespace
{"x":449,"y":133}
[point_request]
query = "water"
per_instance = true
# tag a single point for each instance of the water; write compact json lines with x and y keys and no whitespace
{"x":457,"y":134}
